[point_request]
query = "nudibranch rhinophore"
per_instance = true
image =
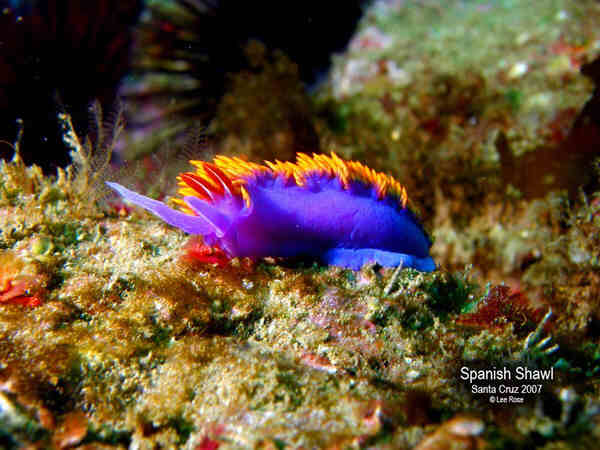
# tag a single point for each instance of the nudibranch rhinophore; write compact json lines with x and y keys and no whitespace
{"x":339,"y":212}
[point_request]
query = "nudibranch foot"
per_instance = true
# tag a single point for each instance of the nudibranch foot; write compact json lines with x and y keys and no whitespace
{"x":351,"y":258}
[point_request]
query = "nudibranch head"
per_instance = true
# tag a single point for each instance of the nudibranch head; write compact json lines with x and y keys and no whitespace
{"x":324,"y":207}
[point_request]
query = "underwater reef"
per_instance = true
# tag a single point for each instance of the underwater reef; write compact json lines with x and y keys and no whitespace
{"x":118,"y":330}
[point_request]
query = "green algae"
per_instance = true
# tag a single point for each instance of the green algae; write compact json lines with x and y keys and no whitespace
{"x":449,"y":294}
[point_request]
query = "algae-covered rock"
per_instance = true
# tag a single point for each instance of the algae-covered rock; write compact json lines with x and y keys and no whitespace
{"x":117,"y":330}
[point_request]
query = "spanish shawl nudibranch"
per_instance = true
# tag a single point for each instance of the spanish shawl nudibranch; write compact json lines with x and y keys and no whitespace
{"x":337,"y":211}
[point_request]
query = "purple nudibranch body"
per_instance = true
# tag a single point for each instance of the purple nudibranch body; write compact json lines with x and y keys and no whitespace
{"x":339,"y":212}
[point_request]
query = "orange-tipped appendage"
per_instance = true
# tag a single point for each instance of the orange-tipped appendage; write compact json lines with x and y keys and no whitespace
{"x":230,"y":175}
